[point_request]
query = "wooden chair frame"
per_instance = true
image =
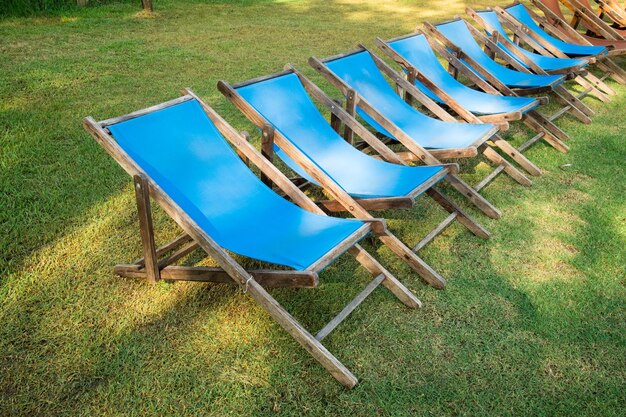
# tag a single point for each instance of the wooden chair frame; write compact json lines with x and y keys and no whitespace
{"x":230,"y":271}
{"x":592,"y":84}
{"x":430,"y":157}
{"x":613,"y":10}
{"x":592,"y":22}
{"x":531,"y":118}
{"x":570,"y":103}
{"x":342,"y":201}
{"x":557,"y":27}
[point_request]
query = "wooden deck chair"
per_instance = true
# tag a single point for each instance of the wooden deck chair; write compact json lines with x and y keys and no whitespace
{"x":553,"y":36}
{"x":464,"y":38}
{"x":595,"y":24}
{"x":574,"y":68}
{"x":614,"y":11}
{"x":281,"y":105}
{"x":416,"y":55}
{"x":358,"y":74}
{"x":178,"y":154}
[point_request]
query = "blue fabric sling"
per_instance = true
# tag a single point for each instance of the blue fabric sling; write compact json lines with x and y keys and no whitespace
{"x":519,"y":12}
{"x":416,"y":50}
{"x":284,"y":102}
{"x":183,"y":152}
{"x":360,"y":72}
{"x":547,"y":63}
{"x":458,"y":33}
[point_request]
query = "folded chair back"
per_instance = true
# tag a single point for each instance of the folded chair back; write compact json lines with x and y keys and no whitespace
{"x":184,"y":153}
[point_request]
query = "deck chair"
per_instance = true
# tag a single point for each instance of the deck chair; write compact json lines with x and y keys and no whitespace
{"x":461,"y":36}
{"x":357,"y":74}
{"x":595,"y":24}
{"x":281,"y":106}
{"x":178,"y":154}
{"x":614,"y":11}
{"x":416,"y":55}
{"x":574,"y":68}
{"x":553,"y":36}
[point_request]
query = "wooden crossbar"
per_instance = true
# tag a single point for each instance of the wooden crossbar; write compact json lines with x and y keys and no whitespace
{"x":531,"y":141}
{"x":331,"y":325}
{"x":485,"y":181}
{"x":169,"y":246}
{"x":435,"y":232}
{"x":266,"y":277}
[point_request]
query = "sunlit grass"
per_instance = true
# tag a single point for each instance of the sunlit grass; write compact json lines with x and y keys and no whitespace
{"x":532,"y":322}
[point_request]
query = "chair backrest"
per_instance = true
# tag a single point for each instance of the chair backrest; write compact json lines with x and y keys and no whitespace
{"x":491,"y":18}
{"x":360,"y":72}
{"x":458,"y":33}
{"x":519,"y":12}
{"x":417,"y":51}
{"x":181,"y":149}
{"x":284,"y":102}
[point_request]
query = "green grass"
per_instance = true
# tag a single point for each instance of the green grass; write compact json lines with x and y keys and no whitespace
{"x":531,"y":323}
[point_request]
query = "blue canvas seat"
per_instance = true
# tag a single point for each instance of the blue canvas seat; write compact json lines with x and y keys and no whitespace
{"x":359,"y":71}
{"x":284,"y":102}
{"x":547,"y":63}
{"x":519,"y":12}
{"x":184,"y":153}
{"x":458,"y":33}
{"x":416,"y":50}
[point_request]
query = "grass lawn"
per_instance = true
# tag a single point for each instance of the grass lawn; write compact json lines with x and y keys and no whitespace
{"x":531,"y":323}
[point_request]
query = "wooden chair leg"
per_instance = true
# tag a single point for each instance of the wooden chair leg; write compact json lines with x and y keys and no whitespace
{"x":553,"y":135}
{"x":591,"y":89}
{"x":301,"y":335}
{"x":517,"y":156}
{"x":513,"y":172}
{"x":424,"y":270}
{"x":599,"y":83}
{"x":142,"y":195}
{"x":576,"y":107}
{"x":462,"y":217}
{"x":609,"y":66}
{"x":473,"y":196}
{"x":390,"y":282}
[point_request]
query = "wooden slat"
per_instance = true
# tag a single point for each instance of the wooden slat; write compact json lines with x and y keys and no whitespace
{"x":144,"y":213}
{"x":331,"y":325}
{"x":266,"y":277}
{"x":370,"y":203}
{"x":178,"y":254}
{"x":489,"y":178}
{"x":462,"y":217}
{"x":391,"y":283}
{"x":531,"y":141}
{"x":340,"y":248}
{"x":558,"y":113}
{"x":513,"y":172}
{"x":123,"y":118}
{"x":436,"y":231}
{"x":171,"y":245}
